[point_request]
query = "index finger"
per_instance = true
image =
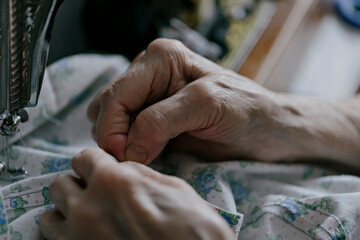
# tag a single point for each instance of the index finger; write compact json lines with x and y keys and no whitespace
{"x":85,"y":162}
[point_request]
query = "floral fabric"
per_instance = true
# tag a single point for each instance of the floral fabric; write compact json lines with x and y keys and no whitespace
{"x":277,"y":201}
{"x":258,"y":200}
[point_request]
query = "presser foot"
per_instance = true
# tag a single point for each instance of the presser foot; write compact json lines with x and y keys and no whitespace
{"x":10,"y":173}
{"x":9,"y":128}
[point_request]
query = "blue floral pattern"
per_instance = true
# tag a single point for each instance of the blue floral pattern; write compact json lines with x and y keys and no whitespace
{"x":294,"y":208}
{"x":3,"y":219}
{"x":56,"y":164}
{"x":343,"y":230}
{"x":291,"y":206}
{"x":234,"y":220}
{"x":239,"y":191}
{"x":18,"y":204}
{"x":204,"y":180}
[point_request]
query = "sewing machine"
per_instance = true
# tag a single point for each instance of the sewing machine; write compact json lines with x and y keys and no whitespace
{"x":25,"y":27}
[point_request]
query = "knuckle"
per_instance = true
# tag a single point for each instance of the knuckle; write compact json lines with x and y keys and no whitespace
{"x":81,"y":156}
{"x":88,"y":153}
{"x":76,"y":160}
{"x":102,"y":177}
{"x":156,"y":123}
{"x":142,"y":170}
{"x":178,"y":182}
{"x":131,"y":164}
{"x":82,"y":216}
{"x":104,"y":181}
{"x":56,"y":184}
{"x":163,"y":45}
{"x":207,"y":102}
{"x":44,"y":218}
{"x":73,"y":202}
{"x":57,"y":188}
{"x":107,"y":93}
{"x":204,"y":94}
{"x":100,"y":100}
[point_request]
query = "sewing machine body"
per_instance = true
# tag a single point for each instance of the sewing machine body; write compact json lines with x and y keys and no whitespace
{"x":24,"y":37}
{"x":25,"y":27}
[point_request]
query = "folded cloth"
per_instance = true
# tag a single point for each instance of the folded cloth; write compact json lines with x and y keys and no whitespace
{"x":277,"y":201}
{"x":258,"y":200}
{"x":57,"y":129}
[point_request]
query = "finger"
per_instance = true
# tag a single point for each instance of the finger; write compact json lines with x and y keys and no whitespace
{"x":94,"y":108}
{"x":147,"y":172}
{"x":93,"y":133}
{"x":110,"y":121}
{"x":62,"y":190}
{"x":165,"y":67}
{"x":52,"y":225}
{"x":88,"y":160}
{"x":111,"y":128}
{"x":193,"y":108}
{"x":138,"y":57}
{"x":85,"y":162}
{"x":142,"y":169}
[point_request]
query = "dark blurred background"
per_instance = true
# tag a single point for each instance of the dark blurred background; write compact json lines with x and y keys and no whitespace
{"x":301,"y":46}
{"x":123,"y":27}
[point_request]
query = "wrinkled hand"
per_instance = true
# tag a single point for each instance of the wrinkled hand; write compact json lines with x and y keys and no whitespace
{"x":127,"y":200}
{"x":176,"y":94}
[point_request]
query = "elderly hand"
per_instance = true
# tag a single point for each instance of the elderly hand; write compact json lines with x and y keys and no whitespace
{"x":127,"y":200}
{"x":213,"y":113}
{"x":174,"y":93}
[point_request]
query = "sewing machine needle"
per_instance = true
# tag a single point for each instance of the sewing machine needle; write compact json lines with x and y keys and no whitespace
{"x":7,"y":152}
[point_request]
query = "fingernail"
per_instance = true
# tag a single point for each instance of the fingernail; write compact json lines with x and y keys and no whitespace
{"x":135,"y":154}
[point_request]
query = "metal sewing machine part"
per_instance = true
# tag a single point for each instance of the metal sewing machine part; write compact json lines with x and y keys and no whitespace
{"x":25,"y":30}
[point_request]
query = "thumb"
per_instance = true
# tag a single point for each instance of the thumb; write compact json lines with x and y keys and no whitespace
{"x":193,"y":108}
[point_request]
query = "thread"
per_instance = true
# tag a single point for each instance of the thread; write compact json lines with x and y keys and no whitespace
{"x":7,"y":151}
{"x":7,"y":168}
{"x":25,"y":147}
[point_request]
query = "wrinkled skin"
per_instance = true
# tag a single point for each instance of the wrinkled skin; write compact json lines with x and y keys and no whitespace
{"x":126,"y":200}
{"x":216,"y":114}
{"x":170,"y":94}
{"x":176,"y":92}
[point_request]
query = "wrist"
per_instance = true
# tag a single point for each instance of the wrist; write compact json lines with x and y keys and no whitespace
{"x":314,"y":128}
{"x":278,"y":133}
